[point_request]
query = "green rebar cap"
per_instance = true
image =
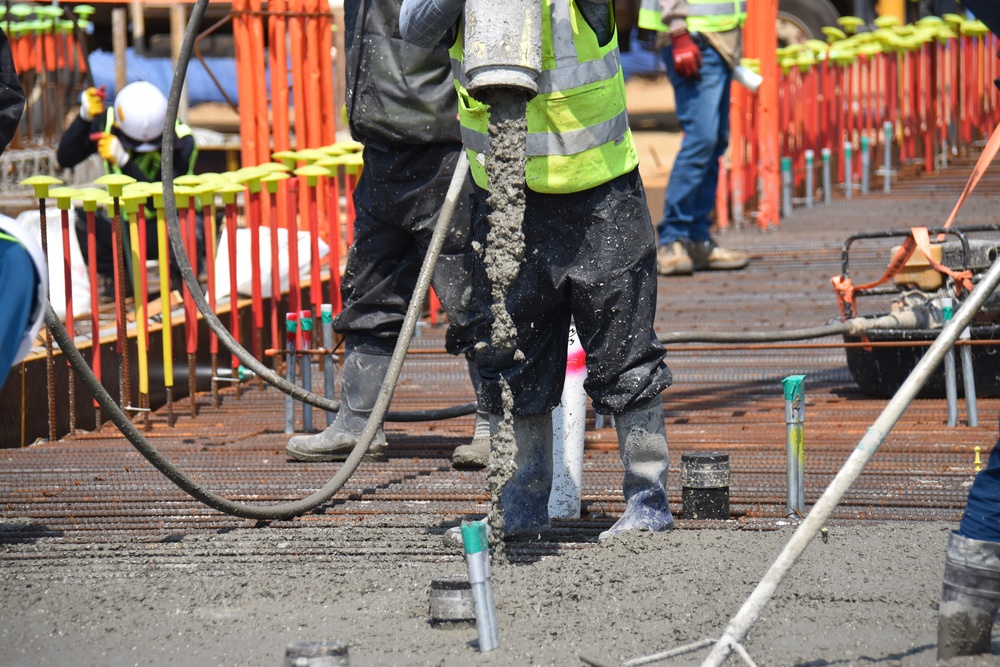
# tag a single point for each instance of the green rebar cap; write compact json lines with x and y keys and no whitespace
{"x":794,"y":386}
{"x":474,"y":536}
{"x":287,"y":158}
{"x":307,"y":323}
{"x":21,"y":10}
{"x":250,"y":177}
{"x":832,"y":33}
{"x":850,"y":24}
{"x":115,"y":183}
{"x":309,"y":155}
{"x":206,"y":193}
{"x":272,"y":180}
{"x":312,"y":173}
{"x":786,"y":164}
{"x":155,"y":190}
{"x":41,"y":184}
{"x":132,"y":200}
{"x":272,"y":167}
{"x":334,"y":149}
{"x":189,"y":180}
{"x":64,"y":197}
{"x":90,"y":198}
{"x":229,"y":191}
{"x":84,"y":11}
{"x":887,"y":21}
{"x":184,"y":195}
{"x":326,"y":311}
{"x":975,"y":29}
{"x":350,"y":145}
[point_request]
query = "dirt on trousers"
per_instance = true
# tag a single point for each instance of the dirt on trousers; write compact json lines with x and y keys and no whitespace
{"x":868,"y":595}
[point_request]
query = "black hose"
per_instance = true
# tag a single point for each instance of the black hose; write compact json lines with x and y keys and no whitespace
{"x":191,"y":280}
{"x":835,"y":329}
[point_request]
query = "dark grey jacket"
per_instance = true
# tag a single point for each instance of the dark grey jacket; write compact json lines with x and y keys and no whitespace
{"x":397,"y":92}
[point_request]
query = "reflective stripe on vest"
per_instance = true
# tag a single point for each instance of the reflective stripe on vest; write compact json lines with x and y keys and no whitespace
{"x":578,"y":134}
{"x":8,"y":237}
{"x":703,"y":15}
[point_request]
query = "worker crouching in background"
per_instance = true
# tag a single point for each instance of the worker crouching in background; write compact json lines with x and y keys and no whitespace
{"x":589,"y":255}
{"x":128,"y":137}
{"x":401,"y":105}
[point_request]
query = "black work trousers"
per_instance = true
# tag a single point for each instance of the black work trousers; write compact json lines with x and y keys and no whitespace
{"x":589,"y":256}
{"x":396,"y":202}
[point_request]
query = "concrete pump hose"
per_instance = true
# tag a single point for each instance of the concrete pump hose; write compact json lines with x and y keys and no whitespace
{"x":740,"y":625}
{"x":191,"y":280}
{"x":293,"y":509}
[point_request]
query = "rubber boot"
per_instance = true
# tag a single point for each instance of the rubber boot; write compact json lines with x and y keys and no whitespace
{"x":476,"y":454}
{"x":363,"y":374}
{"x":642,"y":445}
{"x":524,"y":498}
{"x":969,"y":597}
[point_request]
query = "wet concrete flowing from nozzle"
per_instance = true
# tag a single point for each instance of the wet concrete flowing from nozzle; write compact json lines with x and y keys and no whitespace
{"x":505,"y":168}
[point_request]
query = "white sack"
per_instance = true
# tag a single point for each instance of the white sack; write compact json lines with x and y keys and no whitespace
{"x":30,"y":220}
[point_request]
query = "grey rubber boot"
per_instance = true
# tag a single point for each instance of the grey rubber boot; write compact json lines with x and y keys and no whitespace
{"x":969,"y":597}
{"x":476,"y":454}
{"x":362,"y":379}
{"x":642,"y":444}
{"x":524,"y":499}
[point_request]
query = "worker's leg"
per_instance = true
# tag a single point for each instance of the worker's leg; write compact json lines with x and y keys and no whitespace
{"x":363,"y":373}
{"x":613,"y":302}
{"x":699,"y":108}
{"x":17,"y":287}
{"x":971,"y":590}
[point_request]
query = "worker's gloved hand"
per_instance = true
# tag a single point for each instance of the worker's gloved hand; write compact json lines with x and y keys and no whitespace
{"x":111,"y":149}
{"x":687,"y":55}
{"x":92,"y":103}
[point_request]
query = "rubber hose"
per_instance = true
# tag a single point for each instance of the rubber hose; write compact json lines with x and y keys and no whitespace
{"x":311,"y":502}
{"x":164,"y":465}
{"x":191,"y":280}
{"x":835,"y":329}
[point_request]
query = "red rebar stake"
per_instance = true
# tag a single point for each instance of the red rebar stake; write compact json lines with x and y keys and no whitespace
{"x":95,"y":310}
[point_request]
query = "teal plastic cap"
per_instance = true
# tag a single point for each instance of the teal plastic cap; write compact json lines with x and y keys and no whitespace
{"x":794,"y":386}
{"x":474,"y":537}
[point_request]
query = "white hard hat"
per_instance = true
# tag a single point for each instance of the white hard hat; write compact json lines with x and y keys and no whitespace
{"x":140,"y":108}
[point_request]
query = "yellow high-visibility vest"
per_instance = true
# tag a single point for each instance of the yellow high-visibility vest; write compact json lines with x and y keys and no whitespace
{"x":578,"y":133}
{"x":703,"y":15}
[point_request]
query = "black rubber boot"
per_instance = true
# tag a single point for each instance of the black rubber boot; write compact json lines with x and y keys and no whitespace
{"x":476,"y":454}
{"x":969,"y":597}
{"x":524,"y":499}
{"x":362,"y":379}
{"x":642,"y":445}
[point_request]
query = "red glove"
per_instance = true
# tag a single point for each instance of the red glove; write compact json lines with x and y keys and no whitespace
{"x":687,"y":55}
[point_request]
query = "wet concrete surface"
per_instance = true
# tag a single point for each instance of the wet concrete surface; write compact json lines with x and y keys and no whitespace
{"x":107,"y":563}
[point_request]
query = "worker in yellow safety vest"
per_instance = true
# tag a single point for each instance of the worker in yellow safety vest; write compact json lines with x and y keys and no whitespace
{"x":589,"y":257}
{"x":700,"y":42}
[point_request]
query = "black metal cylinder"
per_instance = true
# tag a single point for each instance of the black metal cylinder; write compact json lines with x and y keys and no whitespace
{"x":705,"y":485}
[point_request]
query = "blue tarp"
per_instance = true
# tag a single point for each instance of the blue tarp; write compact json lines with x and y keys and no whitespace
{"x":160,"y":72}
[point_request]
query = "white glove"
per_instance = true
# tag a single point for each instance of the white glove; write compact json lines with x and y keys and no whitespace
{"x":92,"y":103}
{"x":111,"y":149}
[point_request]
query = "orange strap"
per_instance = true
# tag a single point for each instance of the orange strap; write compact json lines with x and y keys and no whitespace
{"x":963,"y":279}
{"x":845,"y":289}
{"x":989,"y":152}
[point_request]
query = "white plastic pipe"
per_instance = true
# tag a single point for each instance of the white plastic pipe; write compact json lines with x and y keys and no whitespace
{"x":568,"y":429}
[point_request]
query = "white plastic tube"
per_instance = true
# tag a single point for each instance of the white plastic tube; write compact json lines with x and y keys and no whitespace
{"x":569,"y":422}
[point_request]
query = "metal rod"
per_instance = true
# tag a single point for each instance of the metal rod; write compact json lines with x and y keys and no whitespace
{"x":786,"y":186}
{"x":795,"y":454}
{"x":950,"y":380}
{"x":865,"y":164}
{"x":306,"y":322}
{"x":971,"y":409}
{"x":848,"y":175}
{"x":827,"y":180}
{"x":887,"y":157}
{"x":810,"y":177}
{"x":329,"y":378}
{"x":291,"y":333}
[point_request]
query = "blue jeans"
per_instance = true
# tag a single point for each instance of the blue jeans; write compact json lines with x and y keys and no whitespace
{"x":981,"y":520}
{"x":703,"y":111}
